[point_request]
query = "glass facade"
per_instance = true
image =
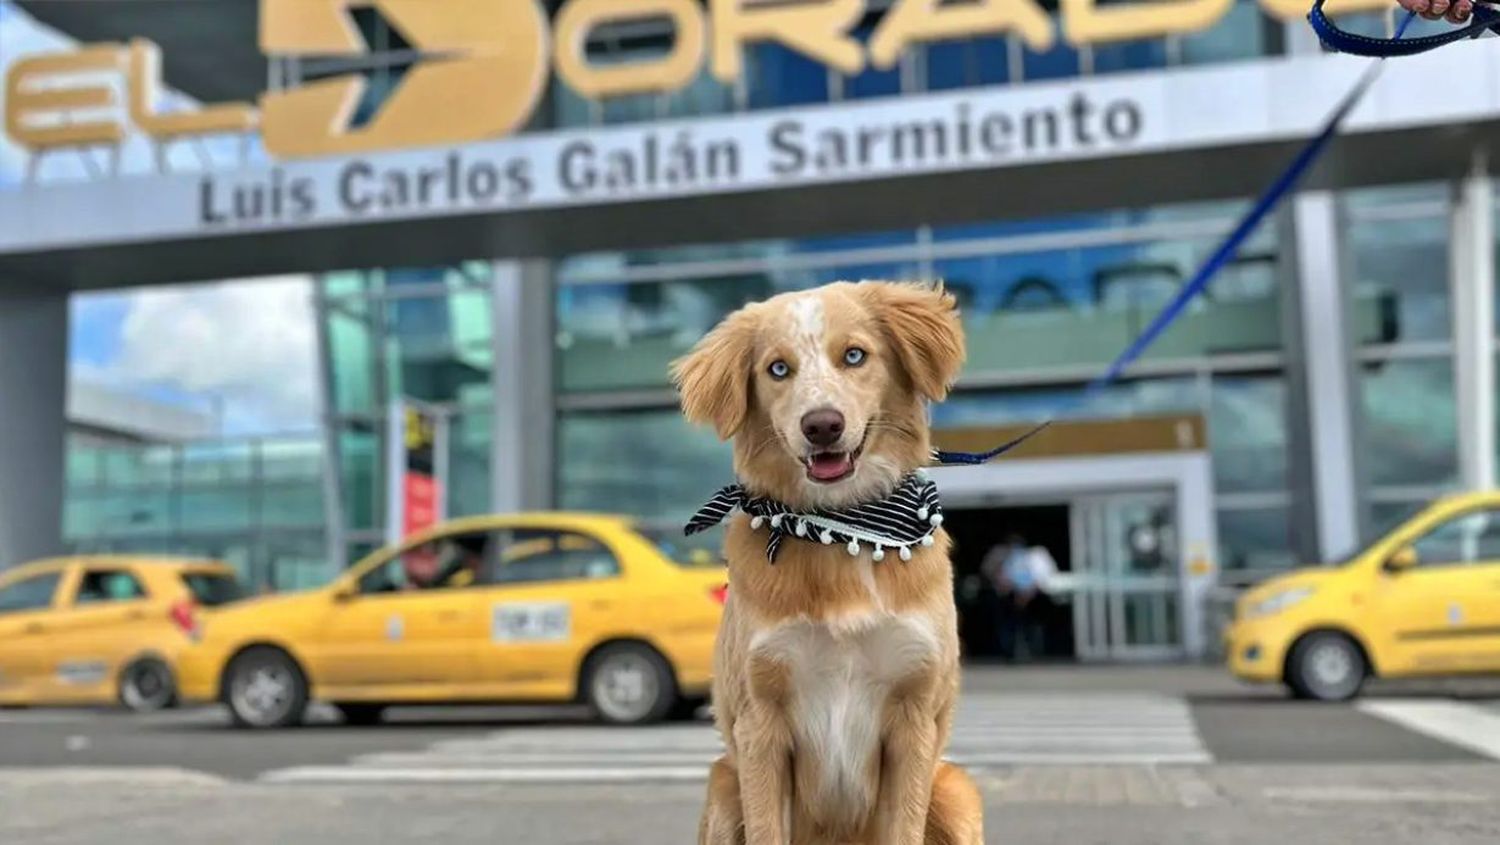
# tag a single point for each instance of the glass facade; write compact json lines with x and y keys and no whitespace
{"x":1096,"y":280}
{"x":257,"y":504}
{"x":415,"y":333}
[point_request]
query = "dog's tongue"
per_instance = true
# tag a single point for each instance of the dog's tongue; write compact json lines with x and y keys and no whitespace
{"x":827,"y":466}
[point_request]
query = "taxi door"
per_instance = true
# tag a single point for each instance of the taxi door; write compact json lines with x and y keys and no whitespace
{"x":548,"y":595}
{"x":25,"y":608}
{"x":103,"y":618}
{"x":393,"y":632}
{"x":1439,"y":596}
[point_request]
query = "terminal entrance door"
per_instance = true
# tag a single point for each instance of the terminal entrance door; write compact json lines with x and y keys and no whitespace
{"x":1126,"y":585}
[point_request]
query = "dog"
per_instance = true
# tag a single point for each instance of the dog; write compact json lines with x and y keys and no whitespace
{"x":835,"y":676}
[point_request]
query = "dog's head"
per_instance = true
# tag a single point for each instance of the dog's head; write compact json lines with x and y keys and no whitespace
{"x":824,"y":391}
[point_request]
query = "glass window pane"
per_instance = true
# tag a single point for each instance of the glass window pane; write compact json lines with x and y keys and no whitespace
{"x":352,"y":364}
{"x":469,"y":438}
{"x":1247,"y":432}
{"x":650,"y":464}
{"x":1125,"y":399}
{"x":1130,"y":55}
{"x":779,"y":76}
{"x":1059,"y":62}
{"x":1102,"y":298}
{"x":217,"y":508}
{"x":84,"y":463}
{"x":1243,"y":33}
{"x":1400,"y":272}
{"x":1256,"y":539}
{"x":284,"y":505}
{"x":1410,"y":424}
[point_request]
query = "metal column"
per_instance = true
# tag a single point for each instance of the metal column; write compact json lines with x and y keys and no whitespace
{"x":1328,"y":371}
{"x":33,"y":424}
{"x":1472,"y":277}
{"x":521,"y":452}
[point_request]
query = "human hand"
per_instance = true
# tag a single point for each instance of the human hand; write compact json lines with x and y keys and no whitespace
{"x":1456,"y":11}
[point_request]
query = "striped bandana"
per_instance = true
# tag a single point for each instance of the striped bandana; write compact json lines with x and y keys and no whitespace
{"x":908,"y":517}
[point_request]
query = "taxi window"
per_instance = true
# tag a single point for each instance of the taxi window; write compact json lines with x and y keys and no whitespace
{"x":34,"y":593}
{"x":101,"y":586}
{"x":539,"y":555}
{"x":447,"y":562}
{"x":1467,"y":538}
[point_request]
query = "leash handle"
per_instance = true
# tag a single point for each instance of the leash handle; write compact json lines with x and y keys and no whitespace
{"x":1485,"y":18}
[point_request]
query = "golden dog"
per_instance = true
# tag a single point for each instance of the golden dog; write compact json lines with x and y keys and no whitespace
{"x":835,"y":676}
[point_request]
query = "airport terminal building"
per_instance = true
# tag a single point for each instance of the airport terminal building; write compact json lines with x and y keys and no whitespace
{"x":519,"y":212}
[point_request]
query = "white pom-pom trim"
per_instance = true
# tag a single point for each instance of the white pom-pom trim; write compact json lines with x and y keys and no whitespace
{"x":928,"y":541}
{"x":937,"y":519}
{"x":776,"y":520}
{"x":878,"y":554}
{"x":801,"y":529}
{"x":906,"y":553}
{"x":852,"y":548}
{"x":827,"y":538}
{"x":922,"y":512}
{"x":757,"y":521}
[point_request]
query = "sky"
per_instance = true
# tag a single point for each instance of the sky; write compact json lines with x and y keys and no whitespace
{"x":246,"y":345}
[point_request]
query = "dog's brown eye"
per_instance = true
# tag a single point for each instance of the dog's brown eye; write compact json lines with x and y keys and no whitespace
{"x":854,"y":356}
{"x":779,"y":370}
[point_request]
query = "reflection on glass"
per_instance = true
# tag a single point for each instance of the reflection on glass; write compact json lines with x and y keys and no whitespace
{"x":1016,"y":306}
{"x":651,"y":464}
{"x":1247,"y":432}
{"x":1400,"y":280}
{"x":1253,"y":539}
{"x":626,"y":335}
{"x":1410,"y":423}
{"x":967,"y":63}
{"x":1130,"y":55}
{"x":1057,"y":63}
{"x":1243,"y":33}
{"x":779,"y":76}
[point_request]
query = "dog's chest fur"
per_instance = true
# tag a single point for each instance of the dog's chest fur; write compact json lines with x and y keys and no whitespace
{"x":843,"y":672}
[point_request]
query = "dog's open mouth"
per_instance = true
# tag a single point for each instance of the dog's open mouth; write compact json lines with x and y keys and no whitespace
{"x":828,"y":467}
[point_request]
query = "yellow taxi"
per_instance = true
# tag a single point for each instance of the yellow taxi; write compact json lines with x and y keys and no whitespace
{"x":1424,"y":600}
{"x":95,"y":630}
{"x":548,"y":607}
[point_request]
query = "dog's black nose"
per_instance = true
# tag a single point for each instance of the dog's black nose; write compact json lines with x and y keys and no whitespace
{"x":823,"y":427}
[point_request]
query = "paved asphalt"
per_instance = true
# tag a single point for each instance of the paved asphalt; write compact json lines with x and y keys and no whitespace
{"x":1075,"y":755}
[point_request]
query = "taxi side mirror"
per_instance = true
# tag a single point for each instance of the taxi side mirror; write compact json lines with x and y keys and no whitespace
{"x":1401,"y":560}
{"x":344,"y":591}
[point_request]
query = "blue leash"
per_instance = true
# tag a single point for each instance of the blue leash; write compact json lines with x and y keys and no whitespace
{"x":1484,"y":19}
{"x":1267,"y":201}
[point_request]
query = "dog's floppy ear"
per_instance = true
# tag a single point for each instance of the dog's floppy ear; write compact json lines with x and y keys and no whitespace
{"x":714,"y":378}
{"x":921,"y":322}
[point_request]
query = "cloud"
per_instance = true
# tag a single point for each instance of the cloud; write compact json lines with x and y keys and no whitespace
{"x":250,"y":343}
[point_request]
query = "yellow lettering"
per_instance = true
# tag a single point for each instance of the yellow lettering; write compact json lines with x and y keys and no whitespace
{"x":675,"y":70}
{"x":486,"y":82}
{"x":1086,"y":22}
{"x":41,"y":115}
{"x":1295,"y":9}
{"x":815,"y":28}
{"x":914,"y":21}
{"x":145,"y":77}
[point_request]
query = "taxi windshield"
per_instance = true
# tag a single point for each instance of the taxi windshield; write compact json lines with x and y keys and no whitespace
{"x":698,"y":550}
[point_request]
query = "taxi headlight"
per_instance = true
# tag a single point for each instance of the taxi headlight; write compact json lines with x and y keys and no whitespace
{"x":1278,"y":601}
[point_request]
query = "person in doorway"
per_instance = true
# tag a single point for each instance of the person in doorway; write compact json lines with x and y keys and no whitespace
{"x":1022,"y":575}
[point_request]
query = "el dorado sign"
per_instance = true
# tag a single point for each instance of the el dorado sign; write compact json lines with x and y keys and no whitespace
{"x":486,"y":62}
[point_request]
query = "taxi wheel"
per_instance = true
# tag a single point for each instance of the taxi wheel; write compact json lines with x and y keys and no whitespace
{"x":147,"y":685}
{"x":265,"y":688}
{"x":1326,"y":666}
{"x":360,"y":713}
{"x":629,"y":684}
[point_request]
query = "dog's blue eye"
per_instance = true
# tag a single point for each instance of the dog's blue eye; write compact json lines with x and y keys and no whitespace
{"x":779,"y":370}
{"x":854,"y":356}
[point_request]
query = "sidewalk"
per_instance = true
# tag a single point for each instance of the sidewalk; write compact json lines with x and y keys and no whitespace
{"x":1180,"y":679}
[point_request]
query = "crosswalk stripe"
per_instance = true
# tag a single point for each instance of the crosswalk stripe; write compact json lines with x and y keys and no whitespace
{"x":990,"y":731}
{"x":1454,"y":722}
